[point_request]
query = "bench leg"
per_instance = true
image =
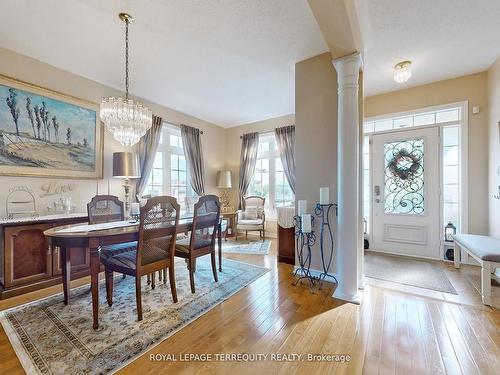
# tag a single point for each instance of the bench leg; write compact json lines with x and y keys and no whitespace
{"x":486,"y":283}
{"x":456,"y":255}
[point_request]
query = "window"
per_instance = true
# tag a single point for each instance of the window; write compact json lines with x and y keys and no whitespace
{"x":269,"y":179}
{"x":170,"y":175}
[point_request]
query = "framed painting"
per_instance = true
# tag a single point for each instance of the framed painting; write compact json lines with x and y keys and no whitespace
{"x":48,"y":134}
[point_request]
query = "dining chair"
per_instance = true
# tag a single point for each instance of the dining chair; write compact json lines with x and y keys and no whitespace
{"x":159,"y":218}
{"x":206,"y":214}
{"x":105,"y":209}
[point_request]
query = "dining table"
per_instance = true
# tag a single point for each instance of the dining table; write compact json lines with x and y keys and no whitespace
{"x":93,"y":236}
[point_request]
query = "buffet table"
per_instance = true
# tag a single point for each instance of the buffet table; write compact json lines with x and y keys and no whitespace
{"x":286,"y":235}
{"x":27,"y":262}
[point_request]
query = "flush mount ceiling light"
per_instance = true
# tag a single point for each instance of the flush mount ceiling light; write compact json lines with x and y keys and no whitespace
{"x":402,"y":71}
{"x":126,"y":119}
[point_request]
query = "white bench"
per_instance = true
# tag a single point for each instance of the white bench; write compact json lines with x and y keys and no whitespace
{"x":484,"y":249}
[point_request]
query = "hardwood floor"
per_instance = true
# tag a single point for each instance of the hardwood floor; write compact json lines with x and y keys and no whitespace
{"x":396,"y":329}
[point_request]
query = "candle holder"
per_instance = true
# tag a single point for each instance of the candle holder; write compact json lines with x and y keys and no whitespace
{"x":322,"y":211}
{"x":304,"y":241}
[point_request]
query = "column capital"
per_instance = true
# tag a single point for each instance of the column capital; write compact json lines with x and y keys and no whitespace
{"x":347,"y":68}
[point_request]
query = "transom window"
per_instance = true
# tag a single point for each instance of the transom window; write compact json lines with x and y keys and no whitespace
{"x":269,"y":179}
{"x":170,"y":175}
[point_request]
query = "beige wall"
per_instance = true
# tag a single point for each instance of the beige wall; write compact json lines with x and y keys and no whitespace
{"x":233,"y":149}
{"x":494,"y":147}
{"x":316,"y":133}
{"x":472,"y":88}
{"x":38,"y":73}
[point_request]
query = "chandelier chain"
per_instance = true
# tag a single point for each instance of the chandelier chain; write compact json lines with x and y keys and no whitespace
{"x":126,"y":59}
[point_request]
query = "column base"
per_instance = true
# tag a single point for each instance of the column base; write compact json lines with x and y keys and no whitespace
{"x":356,"y":299}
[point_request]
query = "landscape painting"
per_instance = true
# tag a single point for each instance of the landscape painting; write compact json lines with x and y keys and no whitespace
{"x":44,"y":133}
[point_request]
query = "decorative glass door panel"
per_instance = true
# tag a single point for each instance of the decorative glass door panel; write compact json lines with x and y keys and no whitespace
{"x":405,"y":205}
{"x":404,"y":177}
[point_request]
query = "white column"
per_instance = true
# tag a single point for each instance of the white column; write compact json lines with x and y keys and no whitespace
{"x":348,"y":178}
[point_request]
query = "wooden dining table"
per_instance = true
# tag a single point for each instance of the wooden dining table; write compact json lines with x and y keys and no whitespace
{"x":93,"y":237}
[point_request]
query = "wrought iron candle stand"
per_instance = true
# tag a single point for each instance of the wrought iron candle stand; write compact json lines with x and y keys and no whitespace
{"x":304,"y":241}
{"x":322,"y":211}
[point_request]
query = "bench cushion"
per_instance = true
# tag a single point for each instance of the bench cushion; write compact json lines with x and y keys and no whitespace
{"x":485,"y":247}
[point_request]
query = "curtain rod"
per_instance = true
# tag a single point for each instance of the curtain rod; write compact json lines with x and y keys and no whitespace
{"x":264,"y":132}
{"x":177,"y":125}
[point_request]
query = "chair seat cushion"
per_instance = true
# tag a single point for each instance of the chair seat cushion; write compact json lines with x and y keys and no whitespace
{"x":183,"y":245}
{"x":128,"y":259}
{"x":485,"y":247}
{"x":250,"y":222}
{"x":108,"y":250}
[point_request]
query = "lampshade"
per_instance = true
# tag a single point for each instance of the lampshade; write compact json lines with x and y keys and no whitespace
{"x":125,"y":165}
{"x":224,"y":180}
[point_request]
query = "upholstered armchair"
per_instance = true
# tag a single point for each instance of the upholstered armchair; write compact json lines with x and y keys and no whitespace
{"x":253,"y":218}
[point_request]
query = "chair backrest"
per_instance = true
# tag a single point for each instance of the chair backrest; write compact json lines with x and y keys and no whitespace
{"x":157,"y":227}
{"x":205,"y":221}
{"x":104,"y":209}
{"x":255,"y":201}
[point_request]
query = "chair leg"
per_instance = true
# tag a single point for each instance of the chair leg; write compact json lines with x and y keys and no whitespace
{"x":164,"y":275}
{"x":214,"y":267}
{"x":171,"y":276}
{"x":246,"y":234}
{"x":124,"y":276}
{"x":160,"y":275}
{"x":191,"y":274}
{"x":148,"y":277}
{"x":138,"y":297}
{"x":109,"y":286}
{"x":153,"y":280}
{"x":263,"y":234}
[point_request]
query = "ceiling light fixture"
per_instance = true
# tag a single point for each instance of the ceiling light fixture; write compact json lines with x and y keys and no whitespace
{"x":402,"y":71}
{"x":126,"y":119}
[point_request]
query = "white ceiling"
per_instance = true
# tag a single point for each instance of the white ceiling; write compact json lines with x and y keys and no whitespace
{"x":443,"y":39}
{"x":225,"y":61}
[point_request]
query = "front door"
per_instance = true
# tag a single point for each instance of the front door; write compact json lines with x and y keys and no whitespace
{"x":405,"y":191}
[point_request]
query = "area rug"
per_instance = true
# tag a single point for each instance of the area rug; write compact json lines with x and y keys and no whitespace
{"x":246,"y":247}
{"x":51,"y":338}
{"x":422,"y":274}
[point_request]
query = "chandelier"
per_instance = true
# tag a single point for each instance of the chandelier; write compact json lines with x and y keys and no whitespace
{"x":126,"y":119}
{"x":402,"y":71}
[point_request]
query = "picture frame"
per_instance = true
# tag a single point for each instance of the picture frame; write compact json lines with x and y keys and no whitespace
{"x":45,"y":133}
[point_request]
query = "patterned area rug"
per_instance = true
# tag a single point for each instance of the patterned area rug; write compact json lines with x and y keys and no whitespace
{"x":246,"y":247}
{"x":51,"y":338}
{"x":422,"y":274}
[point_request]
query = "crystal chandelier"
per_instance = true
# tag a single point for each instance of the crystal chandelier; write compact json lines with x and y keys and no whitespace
{"x":126,"y":119}
{"x":402,"y":71}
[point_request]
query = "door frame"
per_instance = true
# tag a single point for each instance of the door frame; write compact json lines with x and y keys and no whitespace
{"x":464,"y":161}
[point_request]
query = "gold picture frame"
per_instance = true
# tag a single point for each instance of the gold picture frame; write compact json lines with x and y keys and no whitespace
{"x":45,"y":133}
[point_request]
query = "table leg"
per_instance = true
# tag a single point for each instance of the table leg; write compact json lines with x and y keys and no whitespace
{"x":94,"y":281}
{"x":66,"y":272}
{"x":219,"y":240}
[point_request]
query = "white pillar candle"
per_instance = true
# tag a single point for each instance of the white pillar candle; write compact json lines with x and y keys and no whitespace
{"x":134,"y":208}
{"x":301,"y":207}
{"x":324,"y":195}
{"x":306,"y":223}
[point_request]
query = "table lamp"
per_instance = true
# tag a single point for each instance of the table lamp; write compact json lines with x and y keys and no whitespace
{"x":126,"y":166}
{"x":224,"y":182}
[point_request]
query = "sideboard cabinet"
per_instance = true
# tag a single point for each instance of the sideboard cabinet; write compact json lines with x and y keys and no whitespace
{"x":27,"y":261}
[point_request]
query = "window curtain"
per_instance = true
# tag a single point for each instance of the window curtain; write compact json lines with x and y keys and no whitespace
{"x":194,"y":157}
{"x":146,"y":150}
{"x":285,"y":139}
{"x":248,"y":159}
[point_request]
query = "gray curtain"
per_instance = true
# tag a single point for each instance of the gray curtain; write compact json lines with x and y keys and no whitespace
{"x":146,"y":149}
{"x":194,"y":157}
{"x":248,"y":159}
{"x":285,"y":139}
